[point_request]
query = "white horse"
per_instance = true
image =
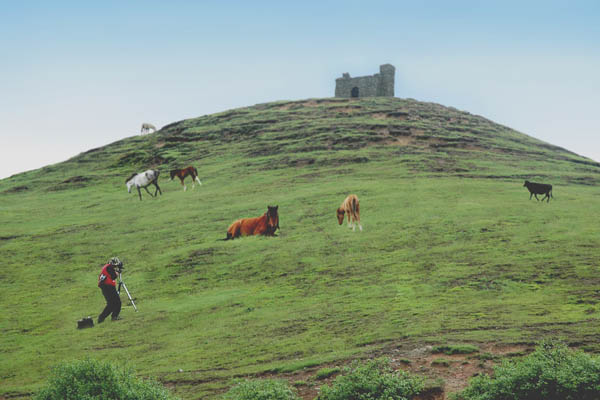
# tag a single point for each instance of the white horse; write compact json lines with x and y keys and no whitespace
{"x":146,"y":128}
{"x":142,"y":180}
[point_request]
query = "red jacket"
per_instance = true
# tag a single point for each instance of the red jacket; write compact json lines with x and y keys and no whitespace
{"x":107,"y":276}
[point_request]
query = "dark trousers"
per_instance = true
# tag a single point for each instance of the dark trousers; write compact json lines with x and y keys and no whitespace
{"x":113,"y":302}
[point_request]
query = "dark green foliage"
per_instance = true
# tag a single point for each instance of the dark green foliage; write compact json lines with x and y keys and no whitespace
{"x":552,"y":372}
{"x":441,"y":362}
{"x":373,"y":380}
{"x":325,"y":373}
{"x":96,"y":380}
{"x":455,"y":349}
{"x":133,"y":158}
{"x":264,"y":389}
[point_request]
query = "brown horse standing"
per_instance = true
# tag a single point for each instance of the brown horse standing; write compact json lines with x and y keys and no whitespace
{"x":265,"y":225}
{"x":182,"y":173}
{"x":351,"y":207}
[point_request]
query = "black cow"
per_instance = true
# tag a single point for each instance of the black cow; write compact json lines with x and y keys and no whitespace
{"x":539,"y":188}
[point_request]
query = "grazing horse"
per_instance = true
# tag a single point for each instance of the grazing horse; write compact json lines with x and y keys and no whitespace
{"x":142,"y":180}
{"x":265,"y":225}
{"x":351,"y":207}
{"x":182,"y":173}
{"x":539,"y":188}
{"x":146,"y":128}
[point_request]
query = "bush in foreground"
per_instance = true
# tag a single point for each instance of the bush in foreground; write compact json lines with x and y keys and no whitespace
{"x":95,"y":380}
{"x":551,"y":372}
{"x":263,"y":389}
{"x":374,"y":380}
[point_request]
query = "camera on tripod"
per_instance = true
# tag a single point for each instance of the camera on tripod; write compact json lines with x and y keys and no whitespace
{"x":118,"y":264}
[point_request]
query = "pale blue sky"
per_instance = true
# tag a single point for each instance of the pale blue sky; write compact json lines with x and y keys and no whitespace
{"x":77,"y":75}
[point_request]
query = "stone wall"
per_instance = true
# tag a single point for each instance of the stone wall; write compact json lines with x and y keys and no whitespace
{"x":381,"y":84}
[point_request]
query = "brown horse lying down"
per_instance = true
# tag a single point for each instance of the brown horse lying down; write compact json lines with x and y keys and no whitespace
{"x":351,"y":207}
{"x":265,"y":225}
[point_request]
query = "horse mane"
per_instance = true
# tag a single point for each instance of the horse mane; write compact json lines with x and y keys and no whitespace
{"x":272,"y":211}
{"x":128,"y":179}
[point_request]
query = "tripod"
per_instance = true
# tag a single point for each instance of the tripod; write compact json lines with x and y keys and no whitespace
{"x":121,"y":283}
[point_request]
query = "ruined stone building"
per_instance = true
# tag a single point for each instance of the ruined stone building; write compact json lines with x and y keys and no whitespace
{"x":381,"y":84}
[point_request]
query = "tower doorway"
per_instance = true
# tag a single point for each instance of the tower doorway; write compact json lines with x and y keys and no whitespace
{"x":354,"y":92}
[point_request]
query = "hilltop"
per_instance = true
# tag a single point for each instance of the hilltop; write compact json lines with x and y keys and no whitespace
{"x":452,"y":252}
{"x":424,"y":137}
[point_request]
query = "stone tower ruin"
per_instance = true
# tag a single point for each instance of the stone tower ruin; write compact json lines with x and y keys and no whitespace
{"x":381,"y":84}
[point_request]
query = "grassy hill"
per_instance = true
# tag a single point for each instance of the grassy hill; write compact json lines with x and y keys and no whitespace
{"x":452,"y":249}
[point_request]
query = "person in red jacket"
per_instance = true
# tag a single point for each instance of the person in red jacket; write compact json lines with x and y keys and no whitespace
{"x":107,"y":281}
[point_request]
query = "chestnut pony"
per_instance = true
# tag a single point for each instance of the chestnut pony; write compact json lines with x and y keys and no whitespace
{"x":351,"y":207}
{"x":182,"y":173}
{"x":265,"y":225}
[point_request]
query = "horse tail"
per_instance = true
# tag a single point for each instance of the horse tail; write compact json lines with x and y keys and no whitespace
{"x":233,"y":230}
{"x":354,"y":199}
{"x":132,"y":175}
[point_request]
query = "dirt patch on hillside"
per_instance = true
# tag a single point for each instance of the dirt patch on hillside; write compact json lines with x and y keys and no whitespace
{"x":312,"y":103}
{"x":285,"y":107}
{"x":15,"y":395}
{"x":444,"y":373}
{"x":2,"y":238}
{"x":455,"y":370}
{"x":396,"y":115}
{"x":427,"y":143}
{"x":16,"y":189}
{"x":298,"y":104}
{"x":380,"y":115}
{"x":400,"y":141}
{"x":345,"y":110}
{"x":73,"y":182}
{"x":76,"y":179}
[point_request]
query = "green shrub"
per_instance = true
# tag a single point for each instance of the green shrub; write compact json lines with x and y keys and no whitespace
{"x":455,"y":349}
{"x":263,"y":389}
{"x":441,"y":362}
{"x":551,"y":372}
{"x":373,"y":380}
{"x":96,"y":380}
{"x":325,"y":373}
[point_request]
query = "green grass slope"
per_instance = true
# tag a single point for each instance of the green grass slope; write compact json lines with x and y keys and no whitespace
{"x":452,"y":249}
